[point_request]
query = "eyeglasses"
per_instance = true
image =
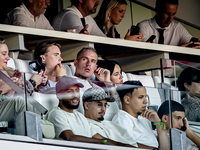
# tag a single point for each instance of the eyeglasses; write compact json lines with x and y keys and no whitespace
{"x":100,"y":105}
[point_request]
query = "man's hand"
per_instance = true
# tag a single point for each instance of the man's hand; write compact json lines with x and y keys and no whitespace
{"x":39,"y":77}
{"x":84,"y":30}
{"x":151,"y":115}
{"x":197,"y":44}
{"x":137,"y":37}
{"x":60,"y":70}
{"x":102,"y":74}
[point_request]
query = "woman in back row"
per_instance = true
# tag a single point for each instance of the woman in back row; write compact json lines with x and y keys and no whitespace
{"x":110,"y":14}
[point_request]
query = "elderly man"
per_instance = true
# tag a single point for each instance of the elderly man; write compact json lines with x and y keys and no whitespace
{"x":69,"y":123}
{"x":77,"y":16}
{"x":30,"y":14}
{"x":162,"y":25}
{"x":136,"y":119}
{"x":95,"y":104}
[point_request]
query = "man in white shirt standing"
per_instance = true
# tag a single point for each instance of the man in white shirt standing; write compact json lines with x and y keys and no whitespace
{"x":136,"y":119}
{"x":77,"y":16}
{"x":162,"y":25}
{"x":95,"y":104}
{"x":30,"y":14}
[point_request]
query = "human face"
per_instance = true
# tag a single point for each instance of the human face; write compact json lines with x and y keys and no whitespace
{"x":95,"y":111}
{"x":40,"y":6}
{"x":86,"y":64}
{"x":138,"y":101}
{"x":3,"y":56}
{"x":166,"y":17}
{"x":194,"y":88}
{"x":90,"y":6}
{"x":52,"y":58}
{"x":177,"y":120}
{"x":70,"y":97}
{"x":116,"y":76}
{"x":117,"y":14}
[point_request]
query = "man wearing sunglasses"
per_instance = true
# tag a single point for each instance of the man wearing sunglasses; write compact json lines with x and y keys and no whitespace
{"x":136,"y":119}
{"x":95,"y":104}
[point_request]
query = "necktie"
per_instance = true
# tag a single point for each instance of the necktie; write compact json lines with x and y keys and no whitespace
{"x":161,"y":37}
{"x":83,"y":21}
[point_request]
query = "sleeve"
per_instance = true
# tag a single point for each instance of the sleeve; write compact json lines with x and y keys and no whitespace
{"x":47,"y":24}
{"x":144,"y":30}
{"x":19,"y":19}
{"x":95,"y":129}
{"x":60,"y":122}
{"x":185,"y":35}
{"x":71,"y":21}
{"x":125,"y":123}
{"x":95,"y":29}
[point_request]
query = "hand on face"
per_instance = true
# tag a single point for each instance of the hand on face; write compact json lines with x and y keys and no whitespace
{"x":60,"y":70}
{"x":102,"y":74}
{"x":151,"y":115}
{"x":137,"y":37}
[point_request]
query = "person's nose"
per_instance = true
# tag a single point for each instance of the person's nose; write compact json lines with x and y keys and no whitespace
{"x":76,"y":94}
{"x":171,"y":17}
{"x":8,"y":58}
{"x":145,"y":100}
{"x":89,"y":62}
{"x":181,"y":123}
{"x":123,"y":15}
{"x":121,"y":76}
{"x":60,"y":59}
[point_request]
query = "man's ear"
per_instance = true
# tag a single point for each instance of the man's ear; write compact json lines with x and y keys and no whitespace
{"x":187,"y":87}
{"x":165,"y":118}
{"x":43,"y":58}
{"x":86,"y":105}
{"x":75,"y":62}
{"x":126,"y":99}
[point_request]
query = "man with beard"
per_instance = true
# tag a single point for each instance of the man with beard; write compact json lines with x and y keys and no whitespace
{"x":136,"y":119}
{"x":77,"y":16}
{"x":70,"y":124}
{"x":30,"y":14}
{"x":95,"y":104}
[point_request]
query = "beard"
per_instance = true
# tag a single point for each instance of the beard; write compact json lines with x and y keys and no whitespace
{"x":68,"y":105}
{"x":101,"y":118}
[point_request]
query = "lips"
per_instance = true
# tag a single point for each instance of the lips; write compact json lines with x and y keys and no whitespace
{"x":87,"y":69}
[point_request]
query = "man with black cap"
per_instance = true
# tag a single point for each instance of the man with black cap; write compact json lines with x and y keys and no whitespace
{"x":70,"y":124}
{"x":95,"y":104}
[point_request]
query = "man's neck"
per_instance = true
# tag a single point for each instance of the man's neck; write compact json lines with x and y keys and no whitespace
{"x":81,"y":77}
{"x":82,"y":11}
{"x":157,"y":21}
{"x":128,"y":110}
{"x":65,"y":109}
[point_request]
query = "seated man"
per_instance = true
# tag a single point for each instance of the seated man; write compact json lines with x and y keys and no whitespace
{"x":135,"y":118}
{"x":30,"y":14}
{"x":69,"y":123}
{"x":78,"y":17}
{"x":95,"y":103}
{"x":162,"y":25}
{"x":178,"y":121}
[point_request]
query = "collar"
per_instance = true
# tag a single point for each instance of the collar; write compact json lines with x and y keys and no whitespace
{"x":74,"y":8}
{"x":28,"y":12}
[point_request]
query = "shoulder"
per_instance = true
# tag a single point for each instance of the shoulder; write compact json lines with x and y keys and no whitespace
{"x":144,"y":22}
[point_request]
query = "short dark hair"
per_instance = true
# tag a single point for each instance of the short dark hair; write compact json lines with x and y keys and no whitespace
{"x":160,"y":4}
{"x":188,"y":76}
{"x":108,"y":64}
{"x":164,"y":108}
{"x":41,"y":48}
{"x":127,"y":89}
{"x":86,"y":49}
{"x":75,"y":2}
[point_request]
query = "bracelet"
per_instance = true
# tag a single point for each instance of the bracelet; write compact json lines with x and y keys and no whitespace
{"x":162,"y":123}
{"x":105,"y":141}
{"x":156,"y":123}
{"x":59,"y":77}
{"x":3,"y":95}
{"x":35,"y":83}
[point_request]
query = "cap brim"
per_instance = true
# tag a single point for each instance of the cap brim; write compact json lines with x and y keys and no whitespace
{"x":80,"y":85}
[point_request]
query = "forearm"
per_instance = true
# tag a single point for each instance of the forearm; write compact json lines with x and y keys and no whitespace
{"x":163,"y":137}
{"x":193,"y":137}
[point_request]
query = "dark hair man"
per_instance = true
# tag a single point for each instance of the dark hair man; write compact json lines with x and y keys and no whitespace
{"x":162,"y":25}
{"x":77,"y":16}
{"x":179,"y":120}
{"x":136,"y":119}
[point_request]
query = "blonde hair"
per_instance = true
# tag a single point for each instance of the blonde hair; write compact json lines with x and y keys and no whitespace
{"x":104,"y":14}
